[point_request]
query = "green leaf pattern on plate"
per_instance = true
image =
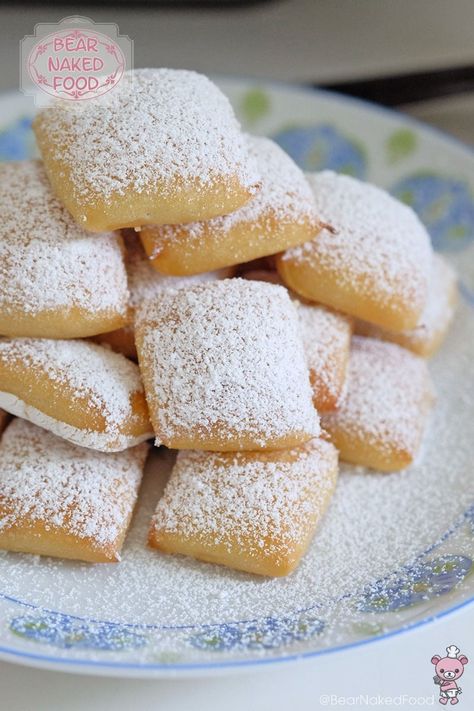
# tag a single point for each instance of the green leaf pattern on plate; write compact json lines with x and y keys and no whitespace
{"x":401,"y":144}
{"x":255,"y":105}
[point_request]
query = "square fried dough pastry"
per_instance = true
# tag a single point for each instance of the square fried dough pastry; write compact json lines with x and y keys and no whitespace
{"x":381,"y":419}
{"x":56,"y":280}
{"x":81,"y":391}
{"x":326,"y":339}
{"x":253,"y":511}
{"x":224,"y":368}
{"x":60,"y":500}
{"x":163,"y":147}
{"x":281,"y":214}
{"x":429,"y":334}
{"x":145,"y":283}
{"x":372,"y":261}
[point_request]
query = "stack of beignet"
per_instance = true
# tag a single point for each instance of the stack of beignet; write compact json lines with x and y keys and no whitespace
{"x":113,"y":339}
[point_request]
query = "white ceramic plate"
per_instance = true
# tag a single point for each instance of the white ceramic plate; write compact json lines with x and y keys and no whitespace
{"x":394,"y":551}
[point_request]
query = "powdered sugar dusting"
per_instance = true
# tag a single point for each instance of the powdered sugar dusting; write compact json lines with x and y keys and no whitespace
{"x":375,"y":241}
{"x":93,"y":439}
{"x":326,"y":337}
{"x":437,"y":314}
{"x":43,"y":478}
{"x":48,"y":262}
{"x":407,"y":512}
{"x":388,"y":390}
{"x":259,"y":502}
{"x":284,"y":196}
{"x":144,"y":282}
{"x":105,"y":379}
{"x":226,"y":354}
{"x":157,"y":125}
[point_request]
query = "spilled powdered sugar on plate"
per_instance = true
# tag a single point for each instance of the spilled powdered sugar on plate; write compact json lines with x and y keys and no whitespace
{"x":375,"y":524}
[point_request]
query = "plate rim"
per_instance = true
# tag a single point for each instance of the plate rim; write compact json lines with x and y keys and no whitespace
{"x":106,"y":668}
{"x":301,"y":87}
{"x":115,"y":668}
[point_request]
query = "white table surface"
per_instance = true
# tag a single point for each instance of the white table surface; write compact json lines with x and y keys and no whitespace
{"x":299,"y":40}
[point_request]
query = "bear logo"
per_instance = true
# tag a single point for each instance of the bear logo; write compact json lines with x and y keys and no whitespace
{"x":448,"y":670}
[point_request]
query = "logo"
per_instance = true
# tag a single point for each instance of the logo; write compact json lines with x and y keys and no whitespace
{"x":75,"y":59}
{"x":448,"y":670}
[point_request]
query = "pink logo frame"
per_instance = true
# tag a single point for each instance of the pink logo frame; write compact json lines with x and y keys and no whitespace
{"x":75,"y":61}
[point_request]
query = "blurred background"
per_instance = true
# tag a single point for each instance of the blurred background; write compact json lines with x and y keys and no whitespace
{"x":310,"y":41}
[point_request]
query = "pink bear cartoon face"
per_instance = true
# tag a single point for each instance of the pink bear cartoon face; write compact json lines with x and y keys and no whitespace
{"x":448,"y":669}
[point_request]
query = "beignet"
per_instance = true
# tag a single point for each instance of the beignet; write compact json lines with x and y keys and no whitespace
{"x":431,"y":330}
{"x":372,"y":261}
{"x":65,"y":501}
{"x":253,"y":511}
{"x":56,"y":280}
{"x":380,"y":421}
{"x":224,"y":368}
{"x":78,"y":390}
{"x":280,"y":215}
{"x":163,"y":147}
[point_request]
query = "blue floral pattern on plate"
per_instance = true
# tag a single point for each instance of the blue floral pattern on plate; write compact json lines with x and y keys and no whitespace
{"x":323,"y":147}
{"x":417,"y":583}
{"x":445,"y":206}
{"x":17,"y":140}
{"x":269,"y":633}
{"x":66,"y":632}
